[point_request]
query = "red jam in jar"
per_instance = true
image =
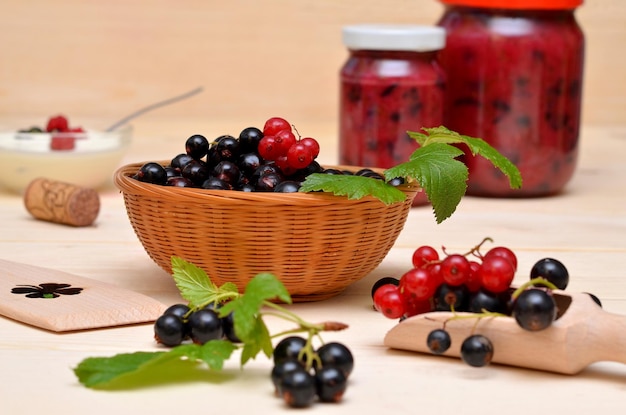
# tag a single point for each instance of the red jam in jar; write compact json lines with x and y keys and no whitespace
{"x":390,"y":84}
{"x":514,"y":78}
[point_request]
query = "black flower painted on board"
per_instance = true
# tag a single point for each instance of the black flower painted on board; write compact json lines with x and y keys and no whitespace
{"x":46,"y":290}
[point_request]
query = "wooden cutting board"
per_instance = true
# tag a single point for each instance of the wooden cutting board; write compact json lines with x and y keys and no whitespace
{"x":58,"y":301}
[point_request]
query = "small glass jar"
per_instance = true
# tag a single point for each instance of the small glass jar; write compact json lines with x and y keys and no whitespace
{"x":390,"y":84}
{"x":515,"y":74}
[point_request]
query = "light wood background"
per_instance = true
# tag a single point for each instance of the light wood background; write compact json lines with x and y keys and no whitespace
{"x":255,"y":59}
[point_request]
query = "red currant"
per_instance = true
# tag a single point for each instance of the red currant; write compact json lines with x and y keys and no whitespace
{"x":284,"y":140}
{"x":283,"y":164}
{"x":415,"y":307}
{"x":381,"y":291}
{"x":496,"y":274}
{"x":423,"y":255}
{"x":58,"y":123}
{"x":455,"y":269}
{"x":312,"y":144}
{"x":418,"y":283}
{"x":268,"y":149}
{"x":503,"y":252}
{"x":299,"y":156}
{"x":390,"y":302}
{"x":274,"y":125}
{"x":473,"y":282}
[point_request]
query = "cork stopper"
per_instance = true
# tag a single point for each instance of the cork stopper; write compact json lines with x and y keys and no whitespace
{"x":61,"y":202}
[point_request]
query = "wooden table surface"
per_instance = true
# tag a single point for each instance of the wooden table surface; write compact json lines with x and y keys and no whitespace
{"x":585,"y":227}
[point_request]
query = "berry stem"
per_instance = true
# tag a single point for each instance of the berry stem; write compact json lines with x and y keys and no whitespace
{"x":532,"y":283}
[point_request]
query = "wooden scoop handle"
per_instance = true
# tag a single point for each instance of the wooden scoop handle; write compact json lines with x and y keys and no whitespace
{"x":584,"y":334}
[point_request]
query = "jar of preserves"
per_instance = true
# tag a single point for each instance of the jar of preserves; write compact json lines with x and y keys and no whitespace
{"x":515,"y":74}
{"x":390,"y":84}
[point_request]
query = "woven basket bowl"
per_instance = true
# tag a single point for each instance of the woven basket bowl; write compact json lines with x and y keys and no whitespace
{"x":315,"y":243}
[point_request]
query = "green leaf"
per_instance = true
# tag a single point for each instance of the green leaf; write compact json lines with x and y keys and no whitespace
{"x":442,"y":177}
{"x":258,"y":340}
{"x":477,"y":146}
{"x":354,"y":187}
{"x":480,"y":147}
{"x":95,"y":372}
{"x":196,"y":287}
{"x":246,"y":308}
{"x":192,"y":282}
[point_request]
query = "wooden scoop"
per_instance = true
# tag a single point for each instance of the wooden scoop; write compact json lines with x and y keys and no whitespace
{"x":59,"y":301}
{"x":582,"y":334}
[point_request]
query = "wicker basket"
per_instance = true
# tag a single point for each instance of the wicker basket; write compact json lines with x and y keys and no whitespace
{"x":315,"y":243}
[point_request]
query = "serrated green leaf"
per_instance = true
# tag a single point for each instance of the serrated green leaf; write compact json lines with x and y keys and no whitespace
{"x":259,"y":340}
{"x":192,"y":282}
{"x":215,"y":352}
{"x":246,"y":308}
{"x":480,"y":147}
{"x":477,"y":146}
{"x":353,"y":187}
{"x":442,"y":177}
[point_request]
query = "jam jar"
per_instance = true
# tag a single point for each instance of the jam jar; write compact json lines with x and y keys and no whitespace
{"x":515,"y":72}
{"x":391,"y":83}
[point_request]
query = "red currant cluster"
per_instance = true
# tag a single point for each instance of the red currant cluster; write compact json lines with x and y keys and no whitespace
{"x":280,"y":145}
{"x":62,"y":138}
{"x":456,"y":282}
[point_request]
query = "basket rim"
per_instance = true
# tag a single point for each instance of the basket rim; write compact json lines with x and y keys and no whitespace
{"x":127,"y":185}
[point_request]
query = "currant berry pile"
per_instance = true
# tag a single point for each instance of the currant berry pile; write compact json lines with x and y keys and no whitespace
{"x":271,"y":159}
{"x":301,"y":374}
{"x":476,"y":283}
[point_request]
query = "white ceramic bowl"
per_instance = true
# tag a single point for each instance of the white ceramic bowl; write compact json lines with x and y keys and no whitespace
{"x":86,"y":159}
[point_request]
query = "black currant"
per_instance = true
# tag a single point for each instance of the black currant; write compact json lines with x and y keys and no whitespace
{"x":552,"y":270}
{"x":438,"y":341}
{"x":179,"y":182}
{"x":227,"y":171}
{"x":534,"y":309}
{"x":213,"y":183}
{"x":179,"y":310}
{"x":248,"y":163}
{"x":288,"y":186}
{"x":397,"y":181}
{"x":205,"y":325}
{"x":289,"y":347}
{"x":268,"y":182}
{"x":298,"y":388}
{"x":169,"y":330}
{"x":337,"y":355}
{"x":281,"y":368}
{"x":180,"y":161}
{"x":227,"y":148}
{"x":152,"y":173}
{"x":448,"y":297}
{"x":196,"y":171}
{"x":484,"y":300}
{"x":228,"y":325}
{"x":197,"y":146}
{"x":249,"y":139}
{"x":477,"y":350}
{"x":330,"y":383}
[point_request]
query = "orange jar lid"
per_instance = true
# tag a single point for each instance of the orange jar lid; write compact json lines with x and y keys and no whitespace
{"x":518,"y":4}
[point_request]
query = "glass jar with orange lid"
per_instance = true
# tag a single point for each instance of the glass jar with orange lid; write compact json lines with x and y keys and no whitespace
{"x":515,"y":74}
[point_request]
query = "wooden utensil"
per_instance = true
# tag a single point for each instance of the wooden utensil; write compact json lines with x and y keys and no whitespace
{"x":582,"y":334}
{"x":59,"y":301}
